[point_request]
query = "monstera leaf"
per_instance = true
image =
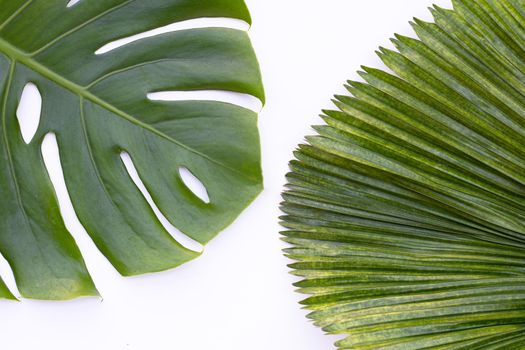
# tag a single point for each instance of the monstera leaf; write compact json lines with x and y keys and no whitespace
{"x":406,"y":213}
{"x":97,"y":107}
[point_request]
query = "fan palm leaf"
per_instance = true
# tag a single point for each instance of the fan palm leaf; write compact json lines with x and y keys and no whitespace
{"x":405,"y":213}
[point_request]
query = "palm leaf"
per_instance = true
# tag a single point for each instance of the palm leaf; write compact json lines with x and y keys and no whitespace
{"x":406,"y":212}
{"x":97,"y":107}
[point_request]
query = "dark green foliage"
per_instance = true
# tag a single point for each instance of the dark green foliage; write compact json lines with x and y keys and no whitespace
{"x":97,"y":107}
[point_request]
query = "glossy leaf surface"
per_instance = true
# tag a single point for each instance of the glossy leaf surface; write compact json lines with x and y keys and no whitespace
{"x":97,"y":106}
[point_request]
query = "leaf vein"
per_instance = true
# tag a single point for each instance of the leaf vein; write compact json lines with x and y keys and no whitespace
{"x":31,"y":63}
{"x":15,"y":14}
{"x":97,"y":172}
{"x":12,"y":168}
{"x":80,"y":26}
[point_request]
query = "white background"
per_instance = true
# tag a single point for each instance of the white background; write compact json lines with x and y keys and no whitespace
{"x":238,"y":295}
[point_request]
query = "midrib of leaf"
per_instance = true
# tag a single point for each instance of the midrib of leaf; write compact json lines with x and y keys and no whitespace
{"x":19,"y":56}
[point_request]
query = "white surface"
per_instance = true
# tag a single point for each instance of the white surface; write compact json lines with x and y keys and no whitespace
{"x":238,"y":295}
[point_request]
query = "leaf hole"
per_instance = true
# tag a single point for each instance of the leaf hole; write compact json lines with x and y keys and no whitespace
{"x":180,"y":237}
{"x":194,"y":184}
{"x":221,"y":22}
{"x":72,"y":3}
{"x":29,"y":111}
{"x":92,"y":256}
{"x":243,"y":100}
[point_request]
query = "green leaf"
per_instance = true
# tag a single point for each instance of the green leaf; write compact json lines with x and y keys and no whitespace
{"x":406,"y":212}
{"x":97,"y":107}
